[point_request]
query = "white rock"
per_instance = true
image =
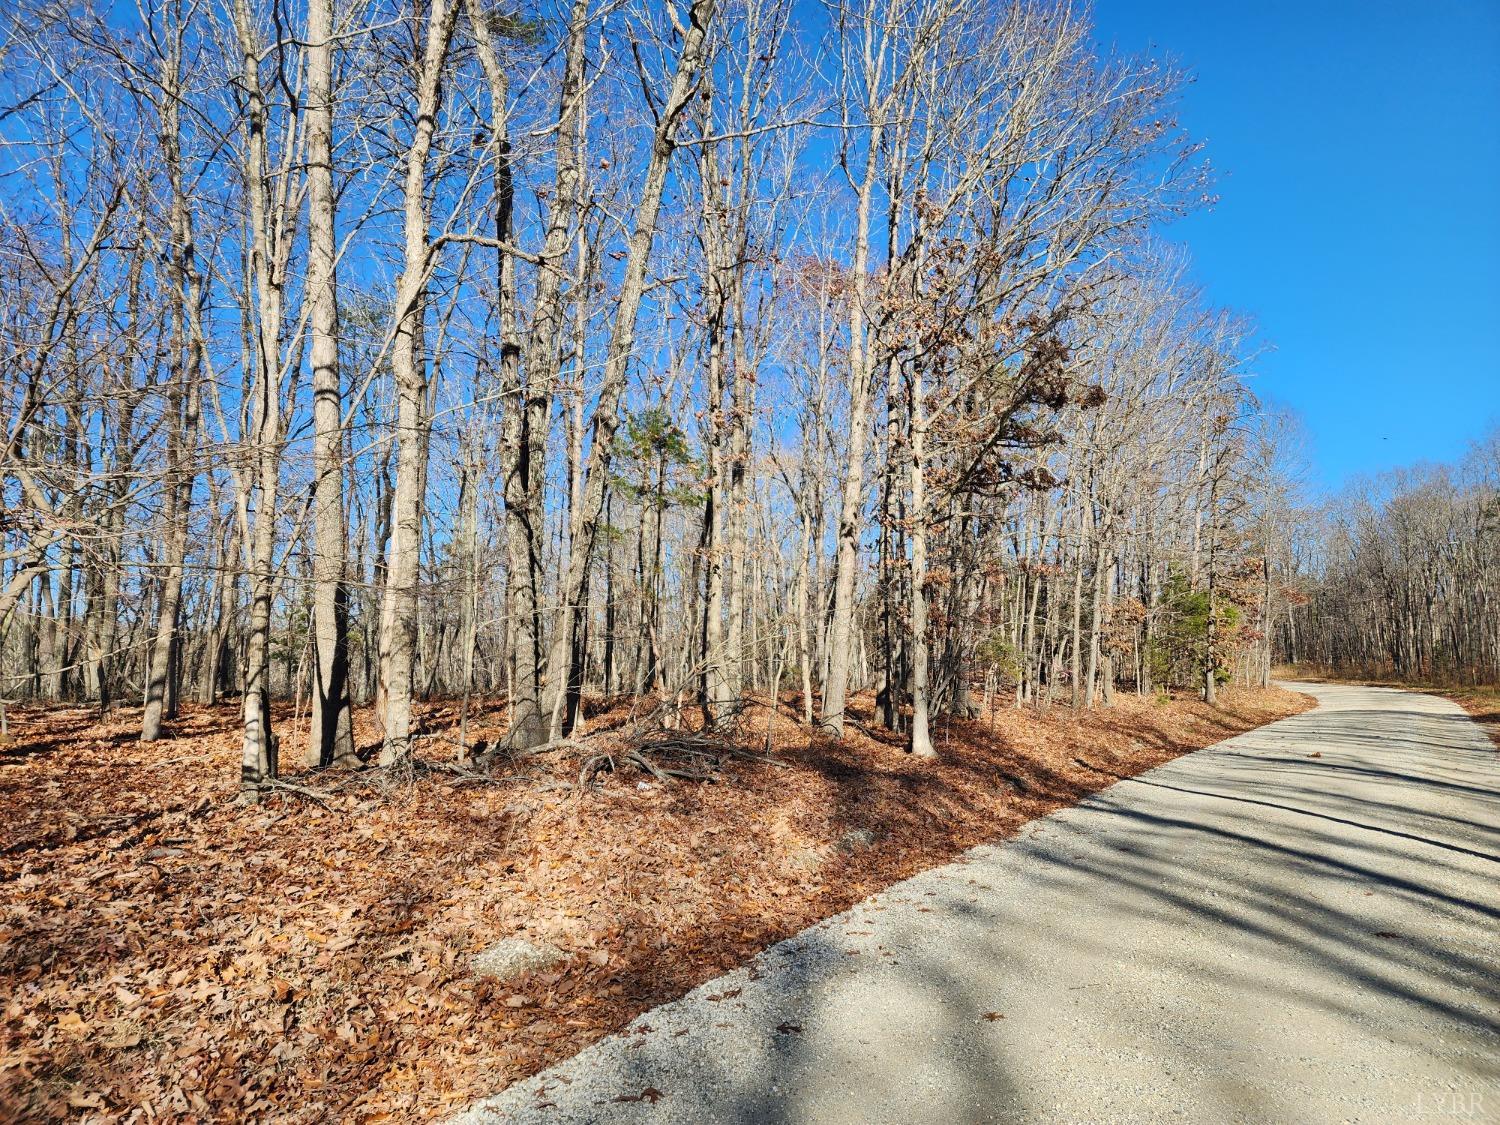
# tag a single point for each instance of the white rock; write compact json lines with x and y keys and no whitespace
{"x":512,"y":957}
{"x":856,"y":839}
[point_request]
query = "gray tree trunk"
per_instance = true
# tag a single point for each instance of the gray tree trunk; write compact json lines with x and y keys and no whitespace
{"x":528,"y":407}
{"x":331,"y":731}
{"x":259,"y":755}
{"x":409,"y":367}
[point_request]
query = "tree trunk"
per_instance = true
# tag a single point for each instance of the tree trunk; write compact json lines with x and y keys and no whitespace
{"x":182,"y":411}
{"x":921,"y":738}
{"x":528,"y":406}
{"x":846,"y":564}
{"x":409,"y":367}
{"x":259,"y":750}
{"x":331,"y":731}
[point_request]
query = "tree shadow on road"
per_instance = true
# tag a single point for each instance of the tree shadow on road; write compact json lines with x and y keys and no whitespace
{"x":1263,"y":936}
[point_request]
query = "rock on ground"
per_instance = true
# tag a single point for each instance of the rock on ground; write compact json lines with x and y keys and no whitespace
{"x":513,"y":957}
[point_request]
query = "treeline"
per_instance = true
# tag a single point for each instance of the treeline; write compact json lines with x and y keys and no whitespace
{"x":1402,"y":576}
{"x":694,"y":351}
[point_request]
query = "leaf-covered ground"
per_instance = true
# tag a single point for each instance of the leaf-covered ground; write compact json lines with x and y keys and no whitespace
{"x":166,"y":953}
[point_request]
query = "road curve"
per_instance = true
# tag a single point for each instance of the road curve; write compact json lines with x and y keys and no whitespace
{"x":1301,"y":924}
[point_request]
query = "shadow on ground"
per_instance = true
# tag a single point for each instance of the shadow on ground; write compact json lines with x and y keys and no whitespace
{"x":1297,"y":925}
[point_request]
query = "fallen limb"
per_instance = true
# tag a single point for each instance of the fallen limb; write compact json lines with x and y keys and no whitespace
{"x":481,"y":760}
{"x":277,"y":783}
{"x":591,"y":767}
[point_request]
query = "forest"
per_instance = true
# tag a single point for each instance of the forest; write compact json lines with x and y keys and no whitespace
{"x":453,"y":417}
{"x":1401,"y":576}
{"x":455,"y":352}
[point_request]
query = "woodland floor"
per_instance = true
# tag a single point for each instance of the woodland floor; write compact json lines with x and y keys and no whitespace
{"x":168,"y":953}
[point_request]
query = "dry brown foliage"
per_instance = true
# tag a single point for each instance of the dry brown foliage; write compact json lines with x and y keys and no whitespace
{"x":167,"y":953}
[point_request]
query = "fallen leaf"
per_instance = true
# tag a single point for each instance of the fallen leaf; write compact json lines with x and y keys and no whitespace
{"x":649,"y":1094}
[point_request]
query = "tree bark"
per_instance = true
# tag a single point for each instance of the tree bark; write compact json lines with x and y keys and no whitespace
{"x":921,"y":737}
{"x":331,"y":731}
{"x":409,"y":367}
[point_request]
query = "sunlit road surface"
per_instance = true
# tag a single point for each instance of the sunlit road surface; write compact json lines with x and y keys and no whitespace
{"x":1301,"y":924}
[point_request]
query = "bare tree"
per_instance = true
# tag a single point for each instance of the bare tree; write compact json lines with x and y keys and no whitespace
{"x":331,"y":736}
{"x":409,"y":369}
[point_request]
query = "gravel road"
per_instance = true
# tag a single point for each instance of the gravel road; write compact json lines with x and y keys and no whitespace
{"x":1301,"y":924}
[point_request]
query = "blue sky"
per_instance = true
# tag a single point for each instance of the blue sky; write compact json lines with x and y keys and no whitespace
{"x":1358,"y":151}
